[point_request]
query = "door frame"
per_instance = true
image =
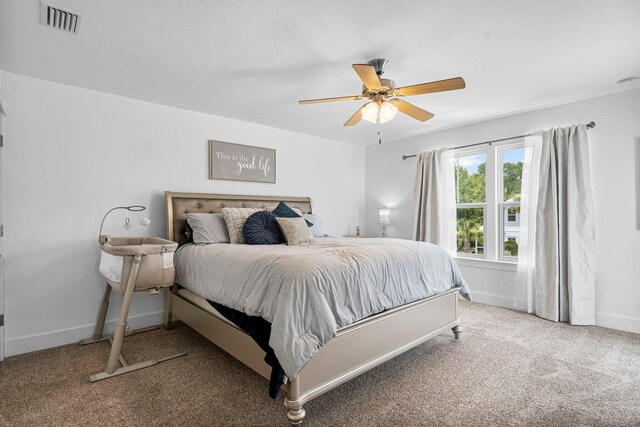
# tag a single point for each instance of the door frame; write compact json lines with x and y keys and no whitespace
{"x":2,"y":202}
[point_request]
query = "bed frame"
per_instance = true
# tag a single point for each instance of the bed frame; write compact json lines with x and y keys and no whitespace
{"x":355,"y":349}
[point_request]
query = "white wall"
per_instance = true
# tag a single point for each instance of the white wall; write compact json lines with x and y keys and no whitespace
{"x":389,"y":181}
{"x":74,"y":153}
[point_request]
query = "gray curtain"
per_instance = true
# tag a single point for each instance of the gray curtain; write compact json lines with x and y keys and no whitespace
{"x":556,"y":271}
{"x":434,"y":203}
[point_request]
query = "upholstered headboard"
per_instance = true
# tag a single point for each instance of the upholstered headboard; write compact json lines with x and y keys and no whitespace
{"x":179,"y":204}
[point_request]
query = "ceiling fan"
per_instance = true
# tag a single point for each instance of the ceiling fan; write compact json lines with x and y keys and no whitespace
{"x":385,"y":97}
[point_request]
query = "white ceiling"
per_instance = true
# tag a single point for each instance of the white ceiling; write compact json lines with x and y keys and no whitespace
{"x":253,"y":60}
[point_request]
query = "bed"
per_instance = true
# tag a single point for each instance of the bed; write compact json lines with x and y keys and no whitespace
{"x":352,"y":348}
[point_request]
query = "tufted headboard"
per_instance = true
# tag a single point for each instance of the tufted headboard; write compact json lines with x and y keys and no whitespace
{"x":180,"y":203}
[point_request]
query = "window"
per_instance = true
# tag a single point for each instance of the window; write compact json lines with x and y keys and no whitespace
{"x":488,"y":185}
{"x":471,"y":198}
{"x":510,"y":182}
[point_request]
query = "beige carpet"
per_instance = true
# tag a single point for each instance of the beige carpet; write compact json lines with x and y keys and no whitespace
{"x":509,"y":369}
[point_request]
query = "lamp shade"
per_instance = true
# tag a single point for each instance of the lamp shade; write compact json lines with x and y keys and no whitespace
{"x":379,"y":112}
{"x":383,"y":215}
{"x":388,"y":112}
{"x":370,"y":112}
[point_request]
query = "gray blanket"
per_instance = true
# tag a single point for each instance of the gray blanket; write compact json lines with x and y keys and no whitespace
{"x":308,"y":292}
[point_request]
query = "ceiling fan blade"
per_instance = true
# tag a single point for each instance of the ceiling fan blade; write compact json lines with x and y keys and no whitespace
{"x":439,"y":86}
{"x":368,"y":76}
{"x":342,"y":98}
{"x":355,"y":118}
{"x":411,"y":110}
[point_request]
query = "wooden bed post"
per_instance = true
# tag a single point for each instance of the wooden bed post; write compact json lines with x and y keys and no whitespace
{"x":295,"y":411}
{"x":457,"y":331}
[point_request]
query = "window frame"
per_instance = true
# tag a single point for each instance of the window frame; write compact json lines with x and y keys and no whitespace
{"x":493,"y":221}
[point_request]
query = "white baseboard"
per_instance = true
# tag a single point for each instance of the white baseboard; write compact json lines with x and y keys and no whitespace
{"x":72,"y":335}
{"x":605,"y":320}
{"x":491,"y":299}
{"x":621,"y":323}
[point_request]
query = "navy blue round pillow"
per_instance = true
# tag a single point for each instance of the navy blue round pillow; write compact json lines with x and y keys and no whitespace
{"x":261,"y":228}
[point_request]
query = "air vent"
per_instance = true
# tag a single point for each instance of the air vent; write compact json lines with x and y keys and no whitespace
{"x":61,"y":19}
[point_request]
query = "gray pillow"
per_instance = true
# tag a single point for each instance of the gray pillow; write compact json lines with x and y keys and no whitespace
{"x":316,"y":224}
{"x":207,"y":228}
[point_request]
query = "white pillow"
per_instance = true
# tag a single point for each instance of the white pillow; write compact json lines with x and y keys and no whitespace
{"x":207,"y":228}
{"x":295,"y":230}
{"x":316,"y":229}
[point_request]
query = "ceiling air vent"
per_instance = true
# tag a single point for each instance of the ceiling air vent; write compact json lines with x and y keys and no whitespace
{"x":61,"y":19}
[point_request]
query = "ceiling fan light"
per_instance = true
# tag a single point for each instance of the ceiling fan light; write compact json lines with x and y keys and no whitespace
{"x":370,"y":112}
{"x":388,"y":112}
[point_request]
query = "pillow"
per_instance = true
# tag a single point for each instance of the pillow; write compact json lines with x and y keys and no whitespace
{"x":316,"y":224}
{"x":261,"y":228}
{"x":235,"y":218}
{"x":295,"y":230}
{"x":296,"y":210}
{"x":207,"y":228}
{"x":284,"y":211}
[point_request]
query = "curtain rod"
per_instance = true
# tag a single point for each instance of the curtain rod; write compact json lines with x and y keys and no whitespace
{"x":590,"y":125}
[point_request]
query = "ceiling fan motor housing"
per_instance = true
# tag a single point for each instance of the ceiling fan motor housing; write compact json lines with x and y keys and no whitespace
{"x":386,"y":90}
{"x":387,"y":85}
{"x":379,"y":64}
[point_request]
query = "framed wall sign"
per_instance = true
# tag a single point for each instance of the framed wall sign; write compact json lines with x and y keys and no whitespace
{"x":241,"y":162}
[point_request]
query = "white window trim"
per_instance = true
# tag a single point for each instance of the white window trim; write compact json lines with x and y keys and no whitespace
{"x":489,"y":264}
{"x":493,"y":218}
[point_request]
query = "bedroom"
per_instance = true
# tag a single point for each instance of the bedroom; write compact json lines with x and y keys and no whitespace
{"x":122,"y":111}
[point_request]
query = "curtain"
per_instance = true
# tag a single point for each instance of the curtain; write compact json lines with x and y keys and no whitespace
{"x":434,"y":199}
{"x":556,"y":276}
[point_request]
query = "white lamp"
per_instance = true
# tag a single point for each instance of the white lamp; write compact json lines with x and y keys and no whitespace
{"x":375,"y":112}
{"x":383,"y":218}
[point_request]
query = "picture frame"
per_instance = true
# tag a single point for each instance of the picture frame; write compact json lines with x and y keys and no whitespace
{"x":237,"y":162}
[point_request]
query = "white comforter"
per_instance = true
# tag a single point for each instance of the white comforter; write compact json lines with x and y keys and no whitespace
{"x":309,"y":291}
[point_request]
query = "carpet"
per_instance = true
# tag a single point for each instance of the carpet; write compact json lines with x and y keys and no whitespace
{"x":509,"y":369}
